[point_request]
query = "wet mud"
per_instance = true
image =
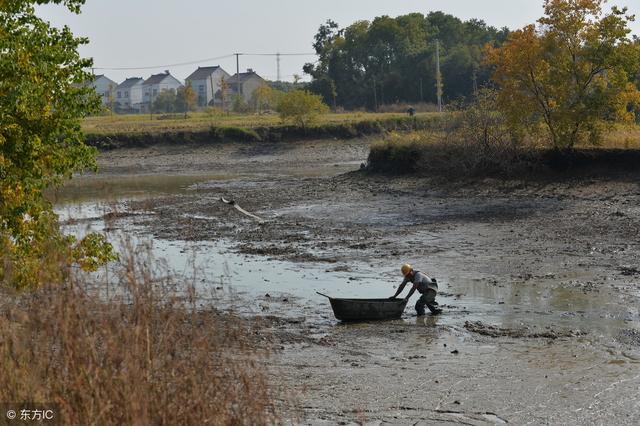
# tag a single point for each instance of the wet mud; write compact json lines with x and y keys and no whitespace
{"x":539,"y":279}
{"x":489,"y":330}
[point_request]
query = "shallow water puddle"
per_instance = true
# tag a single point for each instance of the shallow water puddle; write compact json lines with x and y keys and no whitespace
{"x":258,"y":284}
{"x":101,"y":189}
{"x":215,"y":265}
{"x":543,"y":303}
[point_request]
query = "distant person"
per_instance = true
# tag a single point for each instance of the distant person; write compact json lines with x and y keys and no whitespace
{"x":411,"y":111}
{"x":427,"y":287}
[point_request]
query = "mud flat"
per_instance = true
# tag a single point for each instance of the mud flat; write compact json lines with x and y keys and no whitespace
{"x":543,"y":273}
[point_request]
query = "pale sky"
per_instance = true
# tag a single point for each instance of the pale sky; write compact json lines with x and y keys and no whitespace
{"x":150,"y":33}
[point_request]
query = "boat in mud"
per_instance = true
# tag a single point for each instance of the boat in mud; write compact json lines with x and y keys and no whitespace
{"x":366,"y":309}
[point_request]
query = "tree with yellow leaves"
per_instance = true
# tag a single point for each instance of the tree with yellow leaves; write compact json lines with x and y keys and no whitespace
{"x":571,"y":74}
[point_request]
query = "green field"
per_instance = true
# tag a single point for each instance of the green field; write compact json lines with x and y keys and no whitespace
{"x":198,"y":121}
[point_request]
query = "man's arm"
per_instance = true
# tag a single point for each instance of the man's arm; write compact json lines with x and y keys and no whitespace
{"x":413,"y":289}
{"x":404,"y":283}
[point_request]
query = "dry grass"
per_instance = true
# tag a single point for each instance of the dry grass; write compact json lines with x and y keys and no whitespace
{"x":144,"y":123}
{"x":141,"y":353}
{"x":437,"y":153}
{"x":450,"y":155}
{"x":403,"y":107}
{"x":623,"y":136}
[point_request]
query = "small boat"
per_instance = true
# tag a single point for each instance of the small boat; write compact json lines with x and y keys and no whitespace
{"x":366,"y":309}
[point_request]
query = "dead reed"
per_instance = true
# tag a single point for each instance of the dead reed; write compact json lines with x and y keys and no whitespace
{"x":144,"y":352}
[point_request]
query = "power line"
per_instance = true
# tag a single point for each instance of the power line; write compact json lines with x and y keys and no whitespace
{"x":280,"y":54}
{"x":200,"y":61}
{"x":268,"y":76}
{"x":163,"y":66}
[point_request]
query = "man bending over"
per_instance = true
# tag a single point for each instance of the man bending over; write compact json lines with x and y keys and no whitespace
{"x":427,"y":287}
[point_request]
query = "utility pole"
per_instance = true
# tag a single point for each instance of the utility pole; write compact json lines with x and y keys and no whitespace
{"x":278,"y":62}
{"x":237,"y":73}
{"x":213,"y":92}
{"x":421,"y":97}
{"x":438,"y":77}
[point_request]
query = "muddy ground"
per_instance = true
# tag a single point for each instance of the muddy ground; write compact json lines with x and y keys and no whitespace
{"x":539,"y":279}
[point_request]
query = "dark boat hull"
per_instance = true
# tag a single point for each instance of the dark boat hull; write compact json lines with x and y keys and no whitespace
{"x":367,"y":309}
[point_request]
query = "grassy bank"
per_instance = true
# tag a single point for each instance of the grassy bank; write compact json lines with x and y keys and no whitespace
{"x":137,"y":131}
{"x":201,"y":121}
{"x":437,"y":153}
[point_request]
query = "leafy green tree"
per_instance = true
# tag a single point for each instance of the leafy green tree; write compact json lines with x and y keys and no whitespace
{"x":41,"y":144}
{"x":165,"y":101}
{"x":574,"y":73}
{"x":301,"y":107}
{"x":393,"y":59}
{"x":186,"y":98}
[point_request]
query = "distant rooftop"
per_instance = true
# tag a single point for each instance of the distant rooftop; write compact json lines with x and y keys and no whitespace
{"x":157,"y":78}
{"x":202,"y":73}
{"x":95,"y":78}
{"x":132,"y":81}
{"x":243,"y":76}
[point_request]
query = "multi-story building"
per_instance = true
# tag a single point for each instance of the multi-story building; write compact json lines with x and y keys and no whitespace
{"x":154,"y":85}
{"x":104,"y":87}
{"x":129,"y":95}
{"x":206,"y":82}
{"x":245,"y":83}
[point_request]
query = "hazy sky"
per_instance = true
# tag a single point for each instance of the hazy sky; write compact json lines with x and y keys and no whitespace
{"x":145,"y":33}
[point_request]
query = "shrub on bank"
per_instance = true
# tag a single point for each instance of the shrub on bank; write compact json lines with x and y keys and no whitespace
{"x":301,"y":107}
{"x":235,"y":134}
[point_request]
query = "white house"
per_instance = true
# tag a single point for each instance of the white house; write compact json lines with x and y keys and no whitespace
{"x":129,"y":94}
{"x":205,"y":82}
{"x":104,"y":87}
{"x":155,"y":84}
{"x":245,"y":83}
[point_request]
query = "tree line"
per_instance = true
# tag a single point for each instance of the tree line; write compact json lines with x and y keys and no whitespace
{"x":391,"y":60}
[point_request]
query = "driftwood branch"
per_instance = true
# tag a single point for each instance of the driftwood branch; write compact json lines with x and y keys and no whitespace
{"x":241,"y":210}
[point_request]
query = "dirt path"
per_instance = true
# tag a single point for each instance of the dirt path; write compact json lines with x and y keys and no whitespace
{"x":550,"y":269}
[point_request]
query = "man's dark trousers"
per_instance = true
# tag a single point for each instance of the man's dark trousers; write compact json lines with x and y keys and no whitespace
{"x":427,"y":298}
